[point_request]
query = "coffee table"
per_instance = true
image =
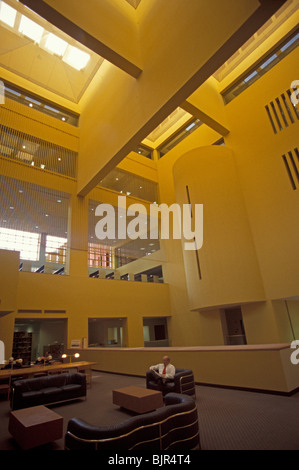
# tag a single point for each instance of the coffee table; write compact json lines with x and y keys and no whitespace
{"x":35,"y":426}
{"x":137,"y":399}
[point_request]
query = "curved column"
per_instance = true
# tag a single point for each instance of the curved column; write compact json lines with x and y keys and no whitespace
{"x":224,"y":271}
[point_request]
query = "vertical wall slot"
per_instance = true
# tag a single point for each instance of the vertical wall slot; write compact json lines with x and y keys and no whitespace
{"x":194,"y":240}
{"x":282,"y":112}
{"x":292,"y":167}
{"x":270,"y":119}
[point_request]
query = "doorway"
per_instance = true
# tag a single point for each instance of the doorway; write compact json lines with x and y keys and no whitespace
{"x":33,"y":338}
{"x":233,"y":326}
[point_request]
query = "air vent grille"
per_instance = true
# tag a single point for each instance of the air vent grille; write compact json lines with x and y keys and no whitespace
{"x":282,"y":112}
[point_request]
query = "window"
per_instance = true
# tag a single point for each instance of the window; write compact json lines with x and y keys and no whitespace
{"x":28,"y":244}
{"x":106,"y":332}
{"x":178,"y":136}
{"x":39,"y":104}
{"x":261,"y":68}
{"x":56,"y":249}
{"x":35,"y":152}
{"x":155,"y":331}
{"x":99,"y":256}
{"x":144,"y":151}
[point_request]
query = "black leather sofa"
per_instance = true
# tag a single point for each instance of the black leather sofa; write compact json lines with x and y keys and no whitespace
{"x":47,"y":389}
{"x":183,"y":382}
{"x":172,"y":427}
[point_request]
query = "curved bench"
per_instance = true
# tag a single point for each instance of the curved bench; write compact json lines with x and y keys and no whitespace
{"x":172,"y":427}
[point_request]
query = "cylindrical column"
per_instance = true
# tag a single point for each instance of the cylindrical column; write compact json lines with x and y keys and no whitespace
{"x":224,"y":271}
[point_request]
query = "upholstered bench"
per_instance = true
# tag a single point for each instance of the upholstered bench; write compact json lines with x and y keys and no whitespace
{"x":172,"y":427}
{"x":48,"y":389}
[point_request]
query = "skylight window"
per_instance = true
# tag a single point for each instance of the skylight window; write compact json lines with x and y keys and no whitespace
{"x":31,"y":29}
{"x":7,"y":14}
{"x":250,"y":77}
{"x":76,"y":58}
{"x":268,"y":61}
{"x":289,"y":43}
{"x":56,"y":45}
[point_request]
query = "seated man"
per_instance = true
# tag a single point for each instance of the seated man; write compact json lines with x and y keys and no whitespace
{"x":162,"y":373}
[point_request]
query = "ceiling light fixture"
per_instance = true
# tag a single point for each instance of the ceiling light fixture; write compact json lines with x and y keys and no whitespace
{"x":7,"y":14}
{"x":31,"y":29}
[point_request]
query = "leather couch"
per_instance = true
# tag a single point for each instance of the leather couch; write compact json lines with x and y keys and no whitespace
{"x":183,"y":382}
{"x":172,"y":427}
{"x":47,"y":389}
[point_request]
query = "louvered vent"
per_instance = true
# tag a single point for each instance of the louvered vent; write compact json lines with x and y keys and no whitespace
{"x":281,"y":112}
{"x":291,"y":162}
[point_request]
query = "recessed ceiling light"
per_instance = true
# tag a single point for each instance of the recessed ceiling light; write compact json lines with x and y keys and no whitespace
{"x":42,"y":166}
{"x":55,"y":44}
{"x":76,"y":58}
{"x":11,"y":208}
{"x":46,"y":215}
{"x":20,"y":191}
{"x":31,"y":29}
{"x":7,"y":14}
{"x":59,"y":159}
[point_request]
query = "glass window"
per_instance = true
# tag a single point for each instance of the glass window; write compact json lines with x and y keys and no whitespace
{"x":56,"y":249}
{"x":155,"y":331}
{"x":261,"y":68}
{"x":28,"y":244}
{"x":106,"y":332}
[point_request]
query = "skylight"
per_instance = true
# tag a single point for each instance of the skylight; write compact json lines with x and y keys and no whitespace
{"x":52,"y":43}
{"x":7,"y":14}
{"x":55,"y":44}
{"x":31,"y":29}
{"x":76,"y":58}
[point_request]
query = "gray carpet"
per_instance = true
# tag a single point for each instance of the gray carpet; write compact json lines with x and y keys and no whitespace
{"x":228,"y":419}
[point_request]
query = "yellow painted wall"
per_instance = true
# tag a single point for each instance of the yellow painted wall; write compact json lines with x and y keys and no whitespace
{"x":229,"y":269}
{"x":262,"y":369}
{"x":84,"y":298}
{"x":271,"y":203}
{"x":9,"y":277}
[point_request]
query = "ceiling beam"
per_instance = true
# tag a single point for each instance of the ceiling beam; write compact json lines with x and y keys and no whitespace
{"x":203,"y":117}
{"x":76,"y":32}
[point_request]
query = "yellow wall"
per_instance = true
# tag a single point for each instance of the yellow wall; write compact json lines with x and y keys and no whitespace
{"x":84,"y":298}
{"x":9,"y":277}
{"x":271,"y":204}
{"x":228,"y":265}
{"x":262,"y":368}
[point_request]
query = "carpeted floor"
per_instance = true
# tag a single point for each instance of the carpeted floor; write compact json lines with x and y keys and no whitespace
{"x":228,"y":419}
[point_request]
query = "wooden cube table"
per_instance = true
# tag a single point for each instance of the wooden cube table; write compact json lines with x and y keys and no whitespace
{"x":138,"y":399}
{"x":35,"y":426}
